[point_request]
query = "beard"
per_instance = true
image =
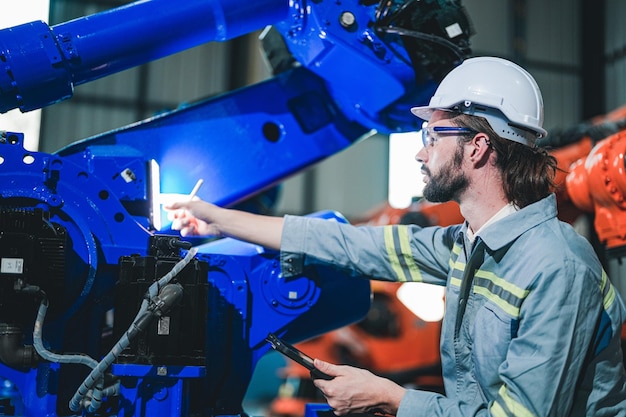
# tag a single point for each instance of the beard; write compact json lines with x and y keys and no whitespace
{"x":448,"y":183}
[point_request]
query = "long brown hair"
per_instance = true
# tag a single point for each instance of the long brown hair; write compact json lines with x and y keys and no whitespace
{"x":528,"y":173}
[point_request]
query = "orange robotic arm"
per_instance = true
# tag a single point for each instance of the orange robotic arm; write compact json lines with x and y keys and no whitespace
{"x":597,"y":184}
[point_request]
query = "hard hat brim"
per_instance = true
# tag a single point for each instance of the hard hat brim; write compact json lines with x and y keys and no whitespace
{"x":424,"y":112}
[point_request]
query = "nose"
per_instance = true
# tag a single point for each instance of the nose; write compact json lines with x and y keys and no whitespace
{"x":421,"y":156}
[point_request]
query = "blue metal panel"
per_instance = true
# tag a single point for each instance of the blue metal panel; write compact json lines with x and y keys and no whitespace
{"x":239,"y":143}
{"x":369,"y":78}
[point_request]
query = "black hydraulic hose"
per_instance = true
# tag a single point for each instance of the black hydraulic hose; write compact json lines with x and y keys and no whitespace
{"x":151,"y":306}
{"x":167,"y":297}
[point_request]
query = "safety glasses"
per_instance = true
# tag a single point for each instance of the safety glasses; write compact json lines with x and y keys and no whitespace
{"x":431,"y":134}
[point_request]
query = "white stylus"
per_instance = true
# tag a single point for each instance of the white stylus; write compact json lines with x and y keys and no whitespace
{"x":195,"y":189}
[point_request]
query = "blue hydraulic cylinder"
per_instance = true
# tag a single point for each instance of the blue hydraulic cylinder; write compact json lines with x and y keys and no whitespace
{"x":40,"y":65}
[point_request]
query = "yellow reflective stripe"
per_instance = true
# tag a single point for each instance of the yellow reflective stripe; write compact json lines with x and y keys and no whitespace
{"x":502,"y":283}
{"x":504,"y":305}
{"x":393,"y":257}
{"x":405,"y":249}
{"x":457,"y":272}
{"x":510,"y":306}
{"x":497,"y":410}
{"x":515,"y":409}
{"x":609,"y":297}
{"x":455,"y":265}
{"x":401,"y":258}
{"x":456,"y":282}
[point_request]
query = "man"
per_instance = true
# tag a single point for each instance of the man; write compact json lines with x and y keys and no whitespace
{"x":532,"y":324}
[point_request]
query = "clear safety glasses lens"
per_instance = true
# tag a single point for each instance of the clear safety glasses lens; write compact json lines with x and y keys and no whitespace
{"x":430,"y":134}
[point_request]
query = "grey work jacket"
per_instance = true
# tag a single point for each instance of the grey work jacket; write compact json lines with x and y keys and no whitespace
{"x":532,"y":324}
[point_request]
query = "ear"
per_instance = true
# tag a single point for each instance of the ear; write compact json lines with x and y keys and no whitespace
{"x":480,"y":149}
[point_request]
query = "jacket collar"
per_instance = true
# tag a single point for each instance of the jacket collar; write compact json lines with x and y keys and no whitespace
{"x":504,"y":231}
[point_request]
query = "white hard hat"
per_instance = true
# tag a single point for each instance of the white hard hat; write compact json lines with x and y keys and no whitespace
{"x":499,"y":90}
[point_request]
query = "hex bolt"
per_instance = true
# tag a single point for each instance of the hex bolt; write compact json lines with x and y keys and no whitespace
{"x":347,"y":20}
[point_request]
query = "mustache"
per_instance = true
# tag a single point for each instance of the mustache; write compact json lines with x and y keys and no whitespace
{"x":425,"y":170}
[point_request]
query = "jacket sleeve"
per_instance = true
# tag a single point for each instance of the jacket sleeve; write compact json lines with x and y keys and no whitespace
{"x":389,"y":253}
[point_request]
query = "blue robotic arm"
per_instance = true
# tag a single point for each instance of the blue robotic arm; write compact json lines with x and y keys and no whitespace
{"x":42,"y":64}
{"x":79,"y":241}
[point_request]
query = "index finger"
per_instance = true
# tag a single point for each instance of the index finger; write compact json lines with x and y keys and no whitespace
{"x":175,"y":205}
